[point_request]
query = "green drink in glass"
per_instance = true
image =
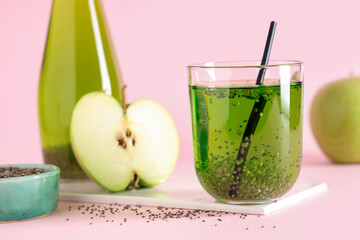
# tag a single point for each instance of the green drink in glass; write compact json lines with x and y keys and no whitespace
{"x":232,"y":165}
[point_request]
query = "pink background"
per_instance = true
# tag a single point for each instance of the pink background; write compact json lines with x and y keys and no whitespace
{"x":154,"y":42}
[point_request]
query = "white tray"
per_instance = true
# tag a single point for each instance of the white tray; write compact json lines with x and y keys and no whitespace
{"x":180,"y":192}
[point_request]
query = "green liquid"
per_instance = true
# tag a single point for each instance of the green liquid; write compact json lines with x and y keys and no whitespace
{"x":71,"y":68}
{"x":272,"y":164}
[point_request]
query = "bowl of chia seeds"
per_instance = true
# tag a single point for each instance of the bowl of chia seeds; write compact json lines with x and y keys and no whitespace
{"x":28,"y":191}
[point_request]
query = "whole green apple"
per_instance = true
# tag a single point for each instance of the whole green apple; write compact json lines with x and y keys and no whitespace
{"x":335,"y":120}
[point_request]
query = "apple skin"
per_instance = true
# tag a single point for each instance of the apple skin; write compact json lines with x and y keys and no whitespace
{"x":335,"y":120}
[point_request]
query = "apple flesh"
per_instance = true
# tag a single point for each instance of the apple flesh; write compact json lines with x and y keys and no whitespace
{"x":121,"y":148}
{"x":335,"y":120}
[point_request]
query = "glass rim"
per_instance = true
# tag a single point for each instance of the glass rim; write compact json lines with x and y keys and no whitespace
{"x":244,"y":64}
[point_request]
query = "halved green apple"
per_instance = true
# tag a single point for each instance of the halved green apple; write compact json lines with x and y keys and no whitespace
{"x":120,"y":148}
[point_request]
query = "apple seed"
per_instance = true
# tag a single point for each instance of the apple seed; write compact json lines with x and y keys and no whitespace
{"x":122,"y":142}
{"x":128,"y":133}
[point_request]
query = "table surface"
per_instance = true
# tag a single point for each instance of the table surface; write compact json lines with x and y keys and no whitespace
{"x":329,"y":215}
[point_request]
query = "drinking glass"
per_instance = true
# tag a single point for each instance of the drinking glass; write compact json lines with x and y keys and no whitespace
{"x":247,"y":138}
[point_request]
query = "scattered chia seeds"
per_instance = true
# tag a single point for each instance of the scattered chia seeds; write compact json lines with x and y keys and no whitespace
{"x":120,"y":215}
{"x":8,"y":172}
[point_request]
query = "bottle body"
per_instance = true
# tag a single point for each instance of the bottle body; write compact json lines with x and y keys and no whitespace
{"x":78,"y":59}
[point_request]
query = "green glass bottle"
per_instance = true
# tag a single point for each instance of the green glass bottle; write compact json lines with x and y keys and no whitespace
{"x":78,"y":59}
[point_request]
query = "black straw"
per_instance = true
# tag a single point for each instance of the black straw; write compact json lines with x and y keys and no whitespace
{"x":266,"y":55}
{"x":253,"y":119}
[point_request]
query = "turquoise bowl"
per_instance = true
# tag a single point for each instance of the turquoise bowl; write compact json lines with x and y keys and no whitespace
{"x":29,"y":196}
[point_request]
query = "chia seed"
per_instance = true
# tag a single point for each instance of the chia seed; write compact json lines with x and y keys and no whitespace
{"x":8,"y":172}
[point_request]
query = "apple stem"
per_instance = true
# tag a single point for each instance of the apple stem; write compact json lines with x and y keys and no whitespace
{"x":135,"y":183}
{"x":137,"y":180}
{"x":124,"y":98}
